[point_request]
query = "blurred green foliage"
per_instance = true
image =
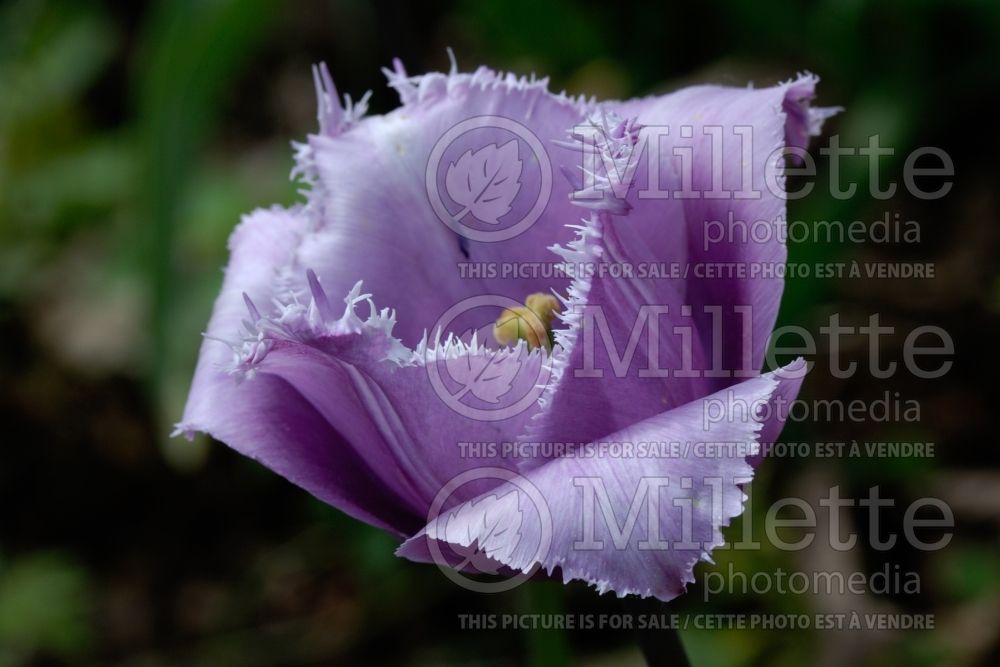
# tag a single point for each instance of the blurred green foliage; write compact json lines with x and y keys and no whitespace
{"x":44,"y":605}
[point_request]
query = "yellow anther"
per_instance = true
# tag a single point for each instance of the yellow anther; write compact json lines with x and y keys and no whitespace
{"x":544,"y":305}
{"x":531,"y":322}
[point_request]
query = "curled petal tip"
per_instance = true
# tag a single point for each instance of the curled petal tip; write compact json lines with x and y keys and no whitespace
{"x":319,"y":297}
{"x":251,"y":308}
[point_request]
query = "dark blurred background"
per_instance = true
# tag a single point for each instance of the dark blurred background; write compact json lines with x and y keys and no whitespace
{"x":134,"y":134}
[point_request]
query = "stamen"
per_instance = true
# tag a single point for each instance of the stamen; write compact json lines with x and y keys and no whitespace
{"x":531,"y":323}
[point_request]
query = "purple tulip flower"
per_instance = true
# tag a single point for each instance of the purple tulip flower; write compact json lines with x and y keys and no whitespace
{"x":354,"y":403}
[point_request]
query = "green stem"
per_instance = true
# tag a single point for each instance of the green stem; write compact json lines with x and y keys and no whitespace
{"x":546,"y":647}
{"x":659,"y":646}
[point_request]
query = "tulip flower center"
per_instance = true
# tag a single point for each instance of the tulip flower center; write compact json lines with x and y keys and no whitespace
{"x":531,"y":322}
